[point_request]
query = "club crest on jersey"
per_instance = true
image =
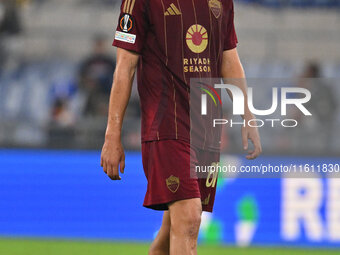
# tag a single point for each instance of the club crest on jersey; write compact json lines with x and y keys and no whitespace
{"x":172,"y":183}
{"x":126,"y":23}
{"x":215,"y":7}
{"x":197,"y":38}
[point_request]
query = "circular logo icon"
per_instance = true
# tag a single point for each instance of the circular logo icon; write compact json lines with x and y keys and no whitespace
{"x":126,"y":23}
{"x":197,"y":38}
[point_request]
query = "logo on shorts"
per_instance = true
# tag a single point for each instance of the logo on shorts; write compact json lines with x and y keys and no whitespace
{"x":216,"y":8}
{"x":197,"y":38}
{"x":206,"y":200}
{"x":172,"y":183}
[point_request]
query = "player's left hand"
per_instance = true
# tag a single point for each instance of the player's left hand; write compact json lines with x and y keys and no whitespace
{"x":252,"y":134}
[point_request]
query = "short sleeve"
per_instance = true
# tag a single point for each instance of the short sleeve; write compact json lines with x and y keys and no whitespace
{"x":132,"y":26}
{"x":230,"y":37}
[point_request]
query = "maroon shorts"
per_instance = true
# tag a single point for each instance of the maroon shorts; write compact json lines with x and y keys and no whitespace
{"x":167,"y":166}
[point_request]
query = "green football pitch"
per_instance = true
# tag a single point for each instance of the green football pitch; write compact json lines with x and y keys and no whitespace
{"x":49,"y":247}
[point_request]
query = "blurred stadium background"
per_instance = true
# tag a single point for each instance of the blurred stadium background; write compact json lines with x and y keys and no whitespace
{"x":56,"y":65}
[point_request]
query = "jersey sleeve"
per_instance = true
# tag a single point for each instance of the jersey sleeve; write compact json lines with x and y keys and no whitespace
{"x":230,"y":37}
{"x":132,"y":26}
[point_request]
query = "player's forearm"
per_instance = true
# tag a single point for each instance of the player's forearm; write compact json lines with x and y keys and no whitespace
{"x":119,"y":98}
{"x":121,"y":91}
{"x":232,"y":71}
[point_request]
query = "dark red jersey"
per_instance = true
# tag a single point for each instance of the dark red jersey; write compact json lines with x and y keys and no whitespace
{"x":177,"y":40}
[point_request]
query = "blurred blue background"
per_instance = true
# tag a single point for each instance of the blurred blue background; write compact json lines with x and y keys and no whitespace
{"x":65,"y":194}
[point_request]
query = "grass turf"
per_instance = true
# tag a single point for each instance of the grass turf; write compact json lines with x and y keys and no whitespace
{"x":49,"y":247}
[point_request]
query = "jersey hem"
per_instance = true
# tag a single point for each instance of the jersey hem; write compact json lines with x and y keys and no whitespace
{"x":179,"y":138}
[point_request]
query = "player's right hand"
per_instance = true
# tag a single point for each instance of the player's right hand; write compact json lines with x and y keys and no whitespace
{"x":112,"y":158}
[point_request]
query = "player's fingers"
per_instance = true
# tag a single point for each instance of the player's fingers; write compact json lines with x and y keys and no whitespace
{"x":109,"y":170}
{"x":104,"y":167}
{"x":244,"y":139}
{"x":101,"y":161}
{"x":116,"y":178}
{"x":257,"y":143}
{"x":250,"y":154}
{"x":257,"y":147}
{"x":253,"y":154}
{"x":115,"y":174}
{"x":122,"y":164}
